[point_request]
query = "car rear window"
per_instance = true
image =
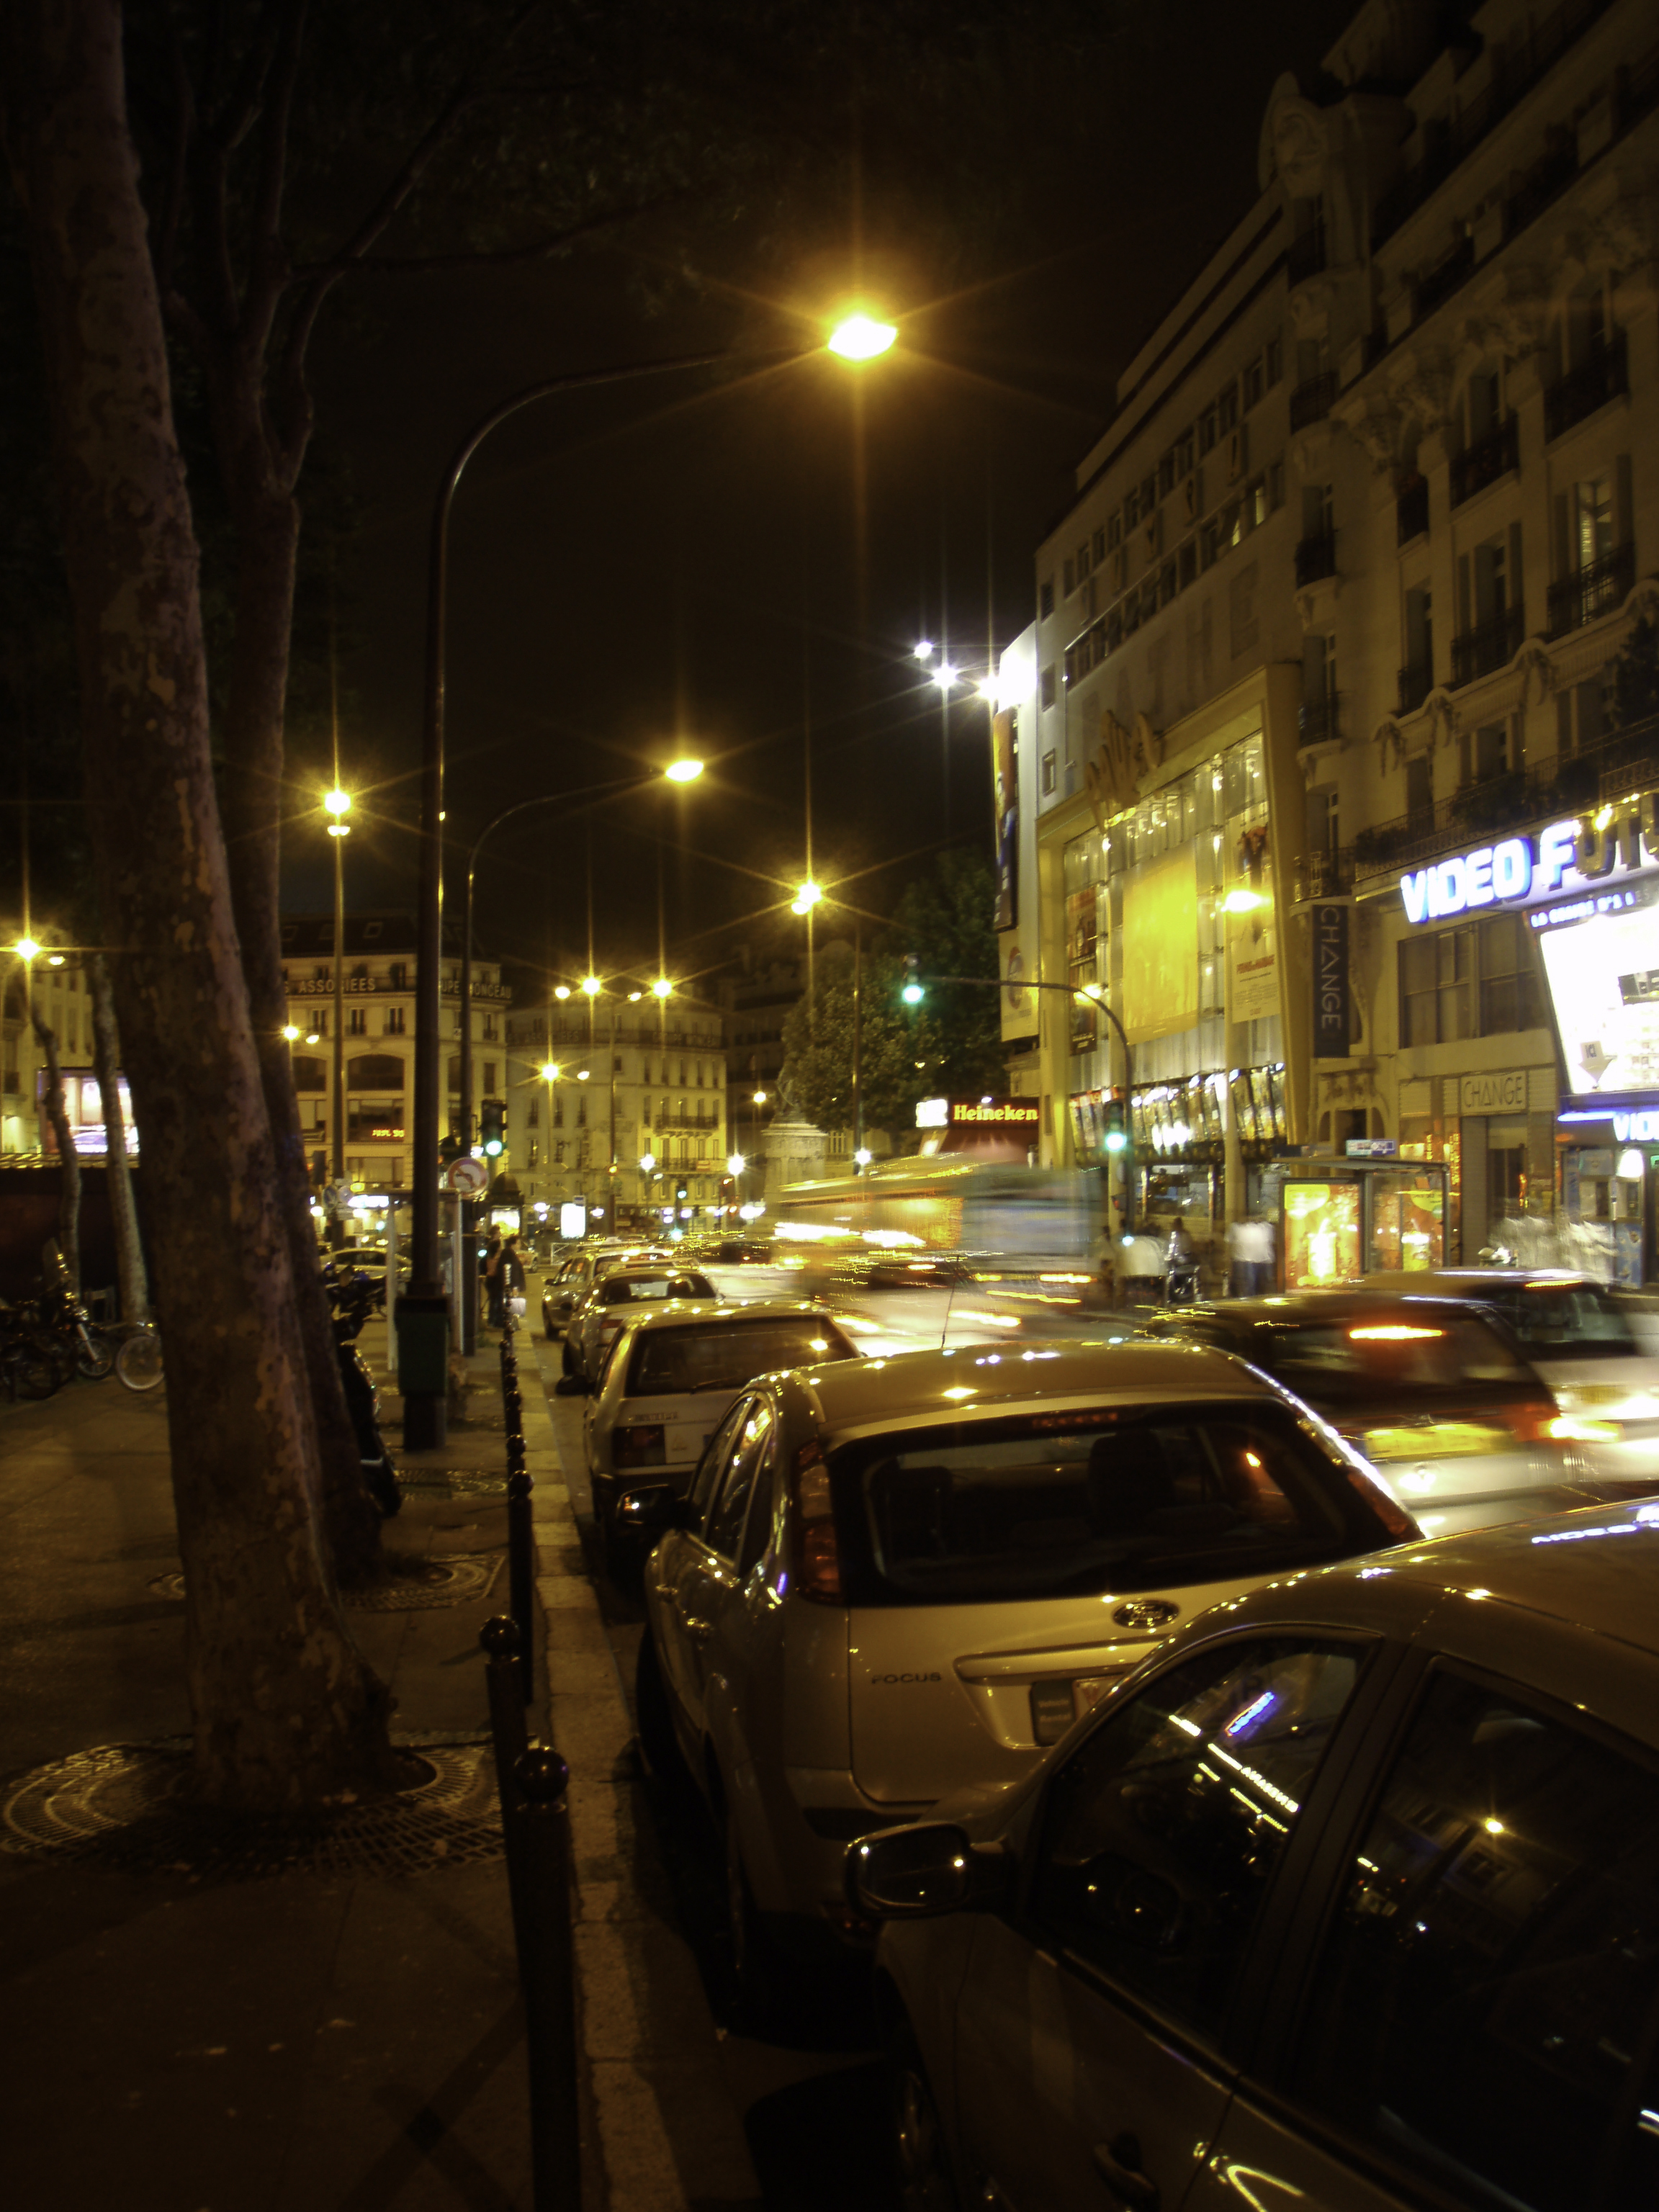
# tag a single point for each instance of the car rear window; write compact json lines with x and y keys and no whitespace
{"x":635,"y":1290}
{"x":1571,"y":1321}
{"x":1368,"y":1356}
{"x":1118,"y":1498}
{"x":670,"y":1362}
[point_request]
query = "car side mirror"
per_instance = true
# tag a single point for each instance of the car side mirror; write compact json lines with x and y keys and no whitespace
{"x":651,"y":1512}
{"x":918,"y":1873}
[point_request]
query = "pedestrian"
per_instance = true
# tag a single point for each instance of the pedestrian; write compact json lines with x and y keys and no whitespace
{"x":1256,"y":1251}
{"x":1141,"y":1269}
{"x":1241,"y":1279}
{"x":490,"y":1268}
{"x":509,"y":1274}
{"x":1180,"y":1264}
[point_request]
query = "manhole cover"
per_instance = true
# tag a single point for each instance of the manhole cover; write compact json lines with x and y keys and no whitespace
{"x":125,"y":1805}
{"x":412,"y":1584}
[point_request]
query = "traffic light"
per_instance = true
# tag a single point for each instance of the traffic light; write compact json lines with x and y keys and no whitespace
{"x":679,"y":1194}
{"x":1116,"y":1135}
{"x":493,"y":1123}
{"x":915,"y":990}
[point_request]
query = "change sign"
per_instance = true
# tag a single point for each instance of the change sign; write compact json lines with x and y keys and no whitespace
{"x":1333,"y":1006}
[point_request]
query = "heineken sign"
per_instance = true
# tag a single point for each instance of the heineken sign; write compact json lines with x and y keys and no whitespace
{"x":1566,"y":856}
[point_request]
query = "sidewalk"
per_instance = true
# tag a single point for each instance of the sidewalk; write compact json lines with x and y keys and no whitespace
{"x":187,"y":2037}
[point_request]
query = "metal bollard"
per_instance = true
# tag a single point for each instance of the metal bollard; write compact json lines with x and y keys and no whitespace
{"x":521,"y":1574}
{"x":548,"y":1971}
{"x":500,"y":1638}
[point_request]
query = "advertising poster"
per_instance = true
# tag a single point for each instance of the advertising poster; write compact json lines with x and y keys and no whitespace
{"x":1160,"y":948}
{"x":1602,"y":962}
{"x":1320,"y":1235}
{"x":1410,"y":1232}
{"x":1005,"y":791}
{"x":1252,"y":966}
{"x":1082,"y":909}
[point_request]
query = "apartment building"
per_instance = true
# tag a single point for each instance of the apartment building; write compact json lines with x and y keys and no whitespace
{"x":57,"y":990}
{"x":1477,"y":265}
{"x":639,"y":1078}
{"x":378,"y":987}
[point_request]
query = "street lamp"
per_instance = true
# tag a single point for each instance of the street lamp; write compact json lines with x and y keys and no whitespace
{"x":337,"y":804}
{"x":422,"y":1312}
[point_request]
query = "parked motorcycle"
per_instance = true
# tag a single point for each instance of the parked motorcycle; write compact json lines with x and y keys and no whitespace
{"x":353,"y":1300}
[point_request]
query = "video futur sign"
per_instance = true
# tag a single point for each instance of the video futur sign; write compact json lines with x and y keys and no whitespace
{"x":1513,"y":871}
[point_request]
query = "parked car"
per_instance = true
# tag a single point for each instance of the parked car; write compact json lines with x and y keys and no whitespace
{"x":895,"y":1578}
{"x":613,"y":1295}
{"x":1435,"y":1394}
{"x":1583,"y":1339}
{"x":562,"y":1292}
{"x":1348,"y":1903}
{"x":670,"y":1375}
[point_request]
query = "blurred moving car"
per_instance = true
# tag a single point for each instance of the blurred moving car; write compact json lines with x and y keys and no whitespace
{"x":669,"y":1376}
{"x":614,"y":1294}
{"x":1583,"y":1339}
{"x":892,"y":1578}
{"x":1433,"y":1392}
{"x":1350,"y":1903}
{"x":562,"y":1293}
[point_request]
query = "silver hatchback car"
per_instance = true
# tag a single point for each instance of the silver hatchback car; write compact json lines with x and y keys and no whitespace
{"x":1348,"y":1903}
{"x":894,"y":1578}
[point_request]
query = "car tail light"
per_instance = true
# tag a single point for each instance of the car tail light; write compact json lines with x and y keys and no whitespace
{"x":640,"y":1445}
{"x":1574,"y":1429}
{"x":817,"y":1547}
{"x":1533,"y":1422}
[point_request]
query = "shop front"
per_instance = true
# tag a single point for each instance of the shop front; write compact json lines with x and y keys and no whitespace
{"x":1551,"y":941}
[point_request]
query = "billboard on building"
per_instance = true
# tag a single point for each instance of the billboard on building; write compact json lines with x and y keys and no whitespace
{"x":1004,"y":795}
{"x":1160,"y":947}
{"x":1013,"y":770}
{"x":1601,"y":956}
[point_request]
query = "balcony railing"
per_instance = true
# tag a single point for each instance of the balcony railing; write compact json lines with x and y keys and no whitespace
{"x":1442,"y":280}
{"x":1311,"y":402}
{"x":1306,"y":257}
{"x":1315,"y":558}
{"x":1486,"y":460}
{"x":1490,"y":645}
{"x":1568,"y":784}
{"x":1326,"y":873}
{"x":1546,"y":178}
{"x":1603,"y":376}
{"x":1598,"y":590}
{"x":1411,"y":512}
{"x":1320,"y":721}
{"x":1416,"y":681}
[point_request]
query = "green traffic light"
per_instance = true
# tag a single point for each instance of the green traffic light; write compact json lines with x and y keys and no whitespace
{"x":913,"y":995}
{"x":1116,"y":1140}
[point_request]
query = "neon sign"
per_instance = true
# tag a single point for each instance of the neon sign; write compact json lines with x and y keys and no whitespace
{"x":1515,"y":869}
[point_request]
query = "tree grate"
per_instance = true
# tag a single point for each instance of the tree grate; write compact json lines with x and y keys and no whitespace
{"x":128,"y":1806}
{"x":453,"y":1482}
{"x":408,"y":1585}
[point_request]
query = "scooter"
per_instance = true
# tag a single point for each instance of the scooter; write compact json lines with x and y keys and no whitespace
{"x":354,"y":1298}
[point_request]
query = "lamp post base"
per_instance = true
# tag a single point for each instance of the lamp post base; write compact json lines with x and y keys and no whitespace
{"x":426,"y":1420}
{"x":423,"y":1369}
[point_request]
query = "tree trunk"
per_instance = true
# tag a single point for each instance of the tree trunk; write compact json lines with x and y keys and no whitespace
{"x":266,"y":518}
{"x":285,"y":1711}
{"x":69,"y":1160}
{"x":106,"y":1061}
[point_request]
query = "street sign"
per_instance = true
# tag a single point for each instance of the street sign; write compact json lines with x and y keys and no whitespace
{"x":466,"y":1174}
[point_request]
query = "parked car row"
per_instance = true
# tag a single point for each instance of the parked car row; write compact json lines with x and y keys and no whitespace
{"x":1229,"y":1841}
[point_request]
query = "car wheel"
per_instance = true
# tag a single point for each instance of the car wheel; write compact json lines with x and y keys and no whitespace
{"x":924,"y":2165}
{"x":659,"y":1744}
{"x":568,"y":1363}
{"x":757,"y":1973}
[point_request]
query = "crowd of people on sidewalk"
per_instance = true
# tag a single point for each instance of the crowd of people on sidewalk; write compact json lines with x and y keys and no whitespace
{"x":1160,"y":1264}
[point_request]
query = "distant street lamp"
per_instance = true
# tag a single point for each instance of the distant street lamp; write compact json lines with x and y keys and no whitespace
{"x":337,"y":804}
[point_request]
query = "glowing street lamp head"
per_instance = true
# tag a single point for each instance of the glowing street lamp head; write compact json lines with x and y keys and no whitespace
{"x":805,"y":899}
{"x":591,"y":986}
{"x":549,"y":1071}
{"x":291,"y":1033}
{"x":861,"y":337}
{"x":562,"y":990}
{"x":760,"y":1098}
{"x":945,"y":675}
{"x":736,"y":1164}
{"x":27,"y":948}
{"x":581,"y":1075}
{"x":313,"y":1036}
{"x":683,"y":771}
{"x":649,"y":1162}
{"x":337,"y":802}
{"x":1243,"y":902}
{"x":662,"y":989}
{"x":923,"y":648}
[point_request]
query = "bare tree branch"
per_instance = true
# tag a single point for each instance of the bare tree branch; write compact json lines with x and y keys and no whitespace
{"x":179,"y":174}
{"x":539,"y":249}
{"x":268,"y":277}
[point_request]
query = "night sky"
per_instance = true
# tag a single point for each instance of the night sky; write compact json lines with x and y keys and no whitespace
{"x":702,"y":561}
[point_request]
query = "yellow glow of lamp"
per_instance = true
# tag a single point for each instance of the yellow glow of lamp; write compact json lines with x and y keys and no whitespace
{"x":291,"y":1033}
{"x":549,"y":1071}
{"x":562,"y":990}
{"x":805,"y":899}
{"x":662,"y":989}
{"x":25,"y":948}
{"x":736,"y":1164}
{"x":861,"y":337}
{"x":683,"y":771}
{"x":338,"y":804}
{"x":1243,"y":902}
{"x":591,"y":986}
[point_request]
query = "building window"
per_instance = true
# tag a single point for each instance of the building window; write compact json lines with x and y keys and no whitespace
{"x":1478,"y":980}
{"x":490,"y":1078}
{"x":1049,"y":686}
{"x":1046,"y":598}
{"x":394,"y":1021}
{"x":1510,"y":998}
{"x":1434,"y":988}
{"x":1050,"y":773}
{"x":357,"y":1021}
{"x":1253,"y":385}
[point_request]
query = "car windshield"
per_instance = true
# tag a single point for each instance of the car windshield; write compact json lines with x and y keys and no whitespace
{"x":669,"y":1363}
{"x":1116,"y":1498}
{"x":1564,"y":1321}
{"x":1381,"y":1355}
{"x":634,"y":1290}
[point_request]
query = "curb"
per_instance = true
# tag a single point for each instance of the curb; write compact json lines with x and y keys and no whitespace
{"x":669,"y":2139}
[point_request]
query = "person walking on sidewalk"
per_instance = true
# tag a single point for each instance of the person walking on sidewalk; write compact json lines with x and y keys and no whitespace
{"x":509,"y":1274}
{"x":490,"y":1268}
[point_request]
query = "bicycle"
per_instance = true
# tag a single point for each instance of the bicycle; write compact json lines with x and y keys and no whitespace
{"x":138,"y":1358}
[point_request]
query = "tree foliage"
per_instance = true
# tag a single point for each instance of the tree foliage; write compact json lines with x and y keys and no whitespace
{"x":951,"y":1043}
